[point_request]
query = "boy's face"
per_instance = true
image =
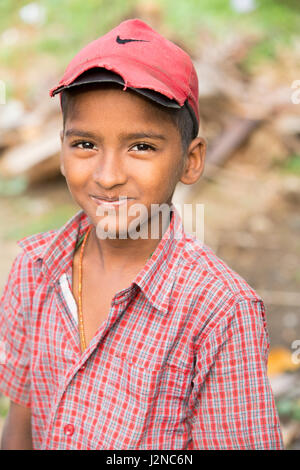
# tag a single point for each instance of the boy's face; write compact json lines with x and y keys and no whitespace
{"x":117,"y":143}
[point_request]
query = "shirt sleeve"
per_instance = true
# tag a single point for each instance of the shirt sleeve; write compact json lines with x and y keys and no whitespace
{"x":232,"y":401}
{"x":15,"y":359}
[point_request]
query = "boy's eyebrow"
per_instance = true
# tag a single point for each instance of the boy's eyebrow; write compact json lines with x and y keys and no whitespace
{"x":79,"y":133}
{"x":142,"y":135}
{"x":124,"y":136}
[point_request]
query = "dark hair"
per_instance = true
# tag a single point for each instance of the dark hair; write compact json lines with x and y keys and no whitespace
{"x":180,"y":117}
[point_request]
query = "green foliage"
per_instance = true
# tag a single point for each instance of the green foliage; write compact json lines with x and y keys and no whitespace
{"x":273,"y":19}
{"x":292,"y":164}
{"x":52,"y":219}
{"x":12,"y":187}
{"x":70,"y":24}
{"x":74,"y":23}
{"x":4,"y":405}
{"x":289,"y":408}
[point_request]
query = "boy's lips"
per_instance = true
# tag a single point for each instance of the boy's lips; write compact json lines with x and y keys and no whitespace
{"x":110,"y":202}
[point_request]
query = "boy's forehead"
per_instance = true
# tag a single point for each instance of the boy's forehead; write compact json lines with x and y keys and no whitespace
{"x":100,"y":99}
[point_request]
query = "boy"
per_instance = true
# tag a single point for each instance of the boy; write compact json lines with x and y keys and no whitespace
{"x":119,"y":341}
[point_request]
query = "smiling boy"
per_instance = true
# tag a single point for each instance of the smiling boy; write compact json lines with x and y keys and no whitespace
{"x":124,"y":341}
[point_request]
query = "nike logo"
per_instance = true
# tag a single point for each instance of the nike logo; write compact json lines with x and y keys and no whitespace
{"x":124,"y":41}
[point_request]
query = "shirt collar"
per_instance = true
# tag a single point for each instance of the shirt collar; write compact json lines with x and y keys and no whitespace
{"x":55,"y":248}
{"x":157,"y":277}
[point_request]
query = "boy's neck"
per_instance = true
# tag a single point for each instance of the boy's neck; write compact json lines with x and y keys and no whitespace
{"x":113,"y":254}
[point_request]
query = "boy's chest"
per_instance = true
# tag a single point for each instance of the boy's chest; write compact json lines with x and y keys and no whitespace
{"x":97,"y":293}
{"x":95,"y":304}
{"x":123,"y":316}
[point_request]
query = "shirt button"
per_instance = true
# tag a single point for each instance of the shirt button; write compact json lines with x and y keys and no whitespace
{"x":69,"y":429}
{"x":82,"y":367}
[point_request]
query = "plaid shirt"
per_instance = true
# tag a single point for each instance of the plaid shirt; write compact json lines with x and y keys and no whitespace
{"x":180,"y":362}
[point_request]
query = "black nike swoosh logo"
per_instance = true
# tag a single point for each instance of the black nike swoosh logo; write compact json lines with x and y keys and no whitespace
{"x":124,"y":41}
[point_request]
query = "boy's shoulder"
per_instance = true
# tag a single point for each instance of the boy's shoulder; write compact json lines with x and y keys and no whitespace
{"x":45,"y":251}
{"x":208,"y":270}
{"x":36,"y":245}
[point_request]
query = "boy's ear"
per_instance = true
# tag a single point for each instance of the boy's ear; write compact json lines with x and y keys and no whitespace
{"x":62,"y":168}
{"x":194,"y":163}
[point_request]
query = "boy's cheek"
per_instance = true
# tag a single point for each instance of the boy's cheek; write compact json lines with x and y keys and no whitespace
{"x":75,"y":180}
{"x":74,"y":171}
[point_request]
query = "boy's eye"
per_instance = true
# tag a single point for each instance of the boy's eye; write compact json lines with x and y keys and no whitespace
{"x":142,"y":147}
{"x":85,"y":145}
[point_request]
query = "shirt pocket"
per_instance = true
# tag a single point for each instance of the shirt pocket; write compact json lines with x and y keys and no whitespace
{"x":137,"y":401}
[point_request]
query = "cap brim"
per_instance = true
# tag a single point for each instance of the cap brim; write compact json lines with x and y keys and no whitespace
{"x":106,"y":76}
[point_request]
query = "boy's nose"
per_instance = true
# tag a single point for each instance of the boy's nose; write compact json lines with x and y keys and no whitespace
{"x":110,"y":171}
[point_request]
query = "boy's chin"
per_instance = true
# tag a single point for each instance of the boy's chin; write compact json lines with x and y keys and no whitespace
{"x":120,"y":231}
{"x":120,"y":226}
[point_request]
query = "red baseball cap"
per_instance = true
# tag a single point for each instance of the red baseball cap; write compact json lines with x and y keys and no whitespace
{"x":139,"y":58}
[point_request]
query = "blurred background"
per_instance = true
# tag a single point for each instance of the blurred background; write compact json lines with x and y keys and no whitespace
{"x":247,"y":56}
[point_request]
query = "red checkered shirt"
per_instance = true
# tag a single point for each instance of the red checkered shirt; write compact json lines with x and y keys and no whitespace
{"x":180,"y":362}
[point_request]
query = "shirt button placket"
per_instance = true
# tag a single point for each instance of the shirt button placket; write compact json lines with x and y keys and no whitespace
{"x":69,"y":429}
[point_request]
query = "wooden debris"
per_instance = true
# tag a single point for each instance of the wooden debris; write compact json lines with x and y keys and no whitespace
{"x":35,"y":160}
{"x":233,"y":137}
